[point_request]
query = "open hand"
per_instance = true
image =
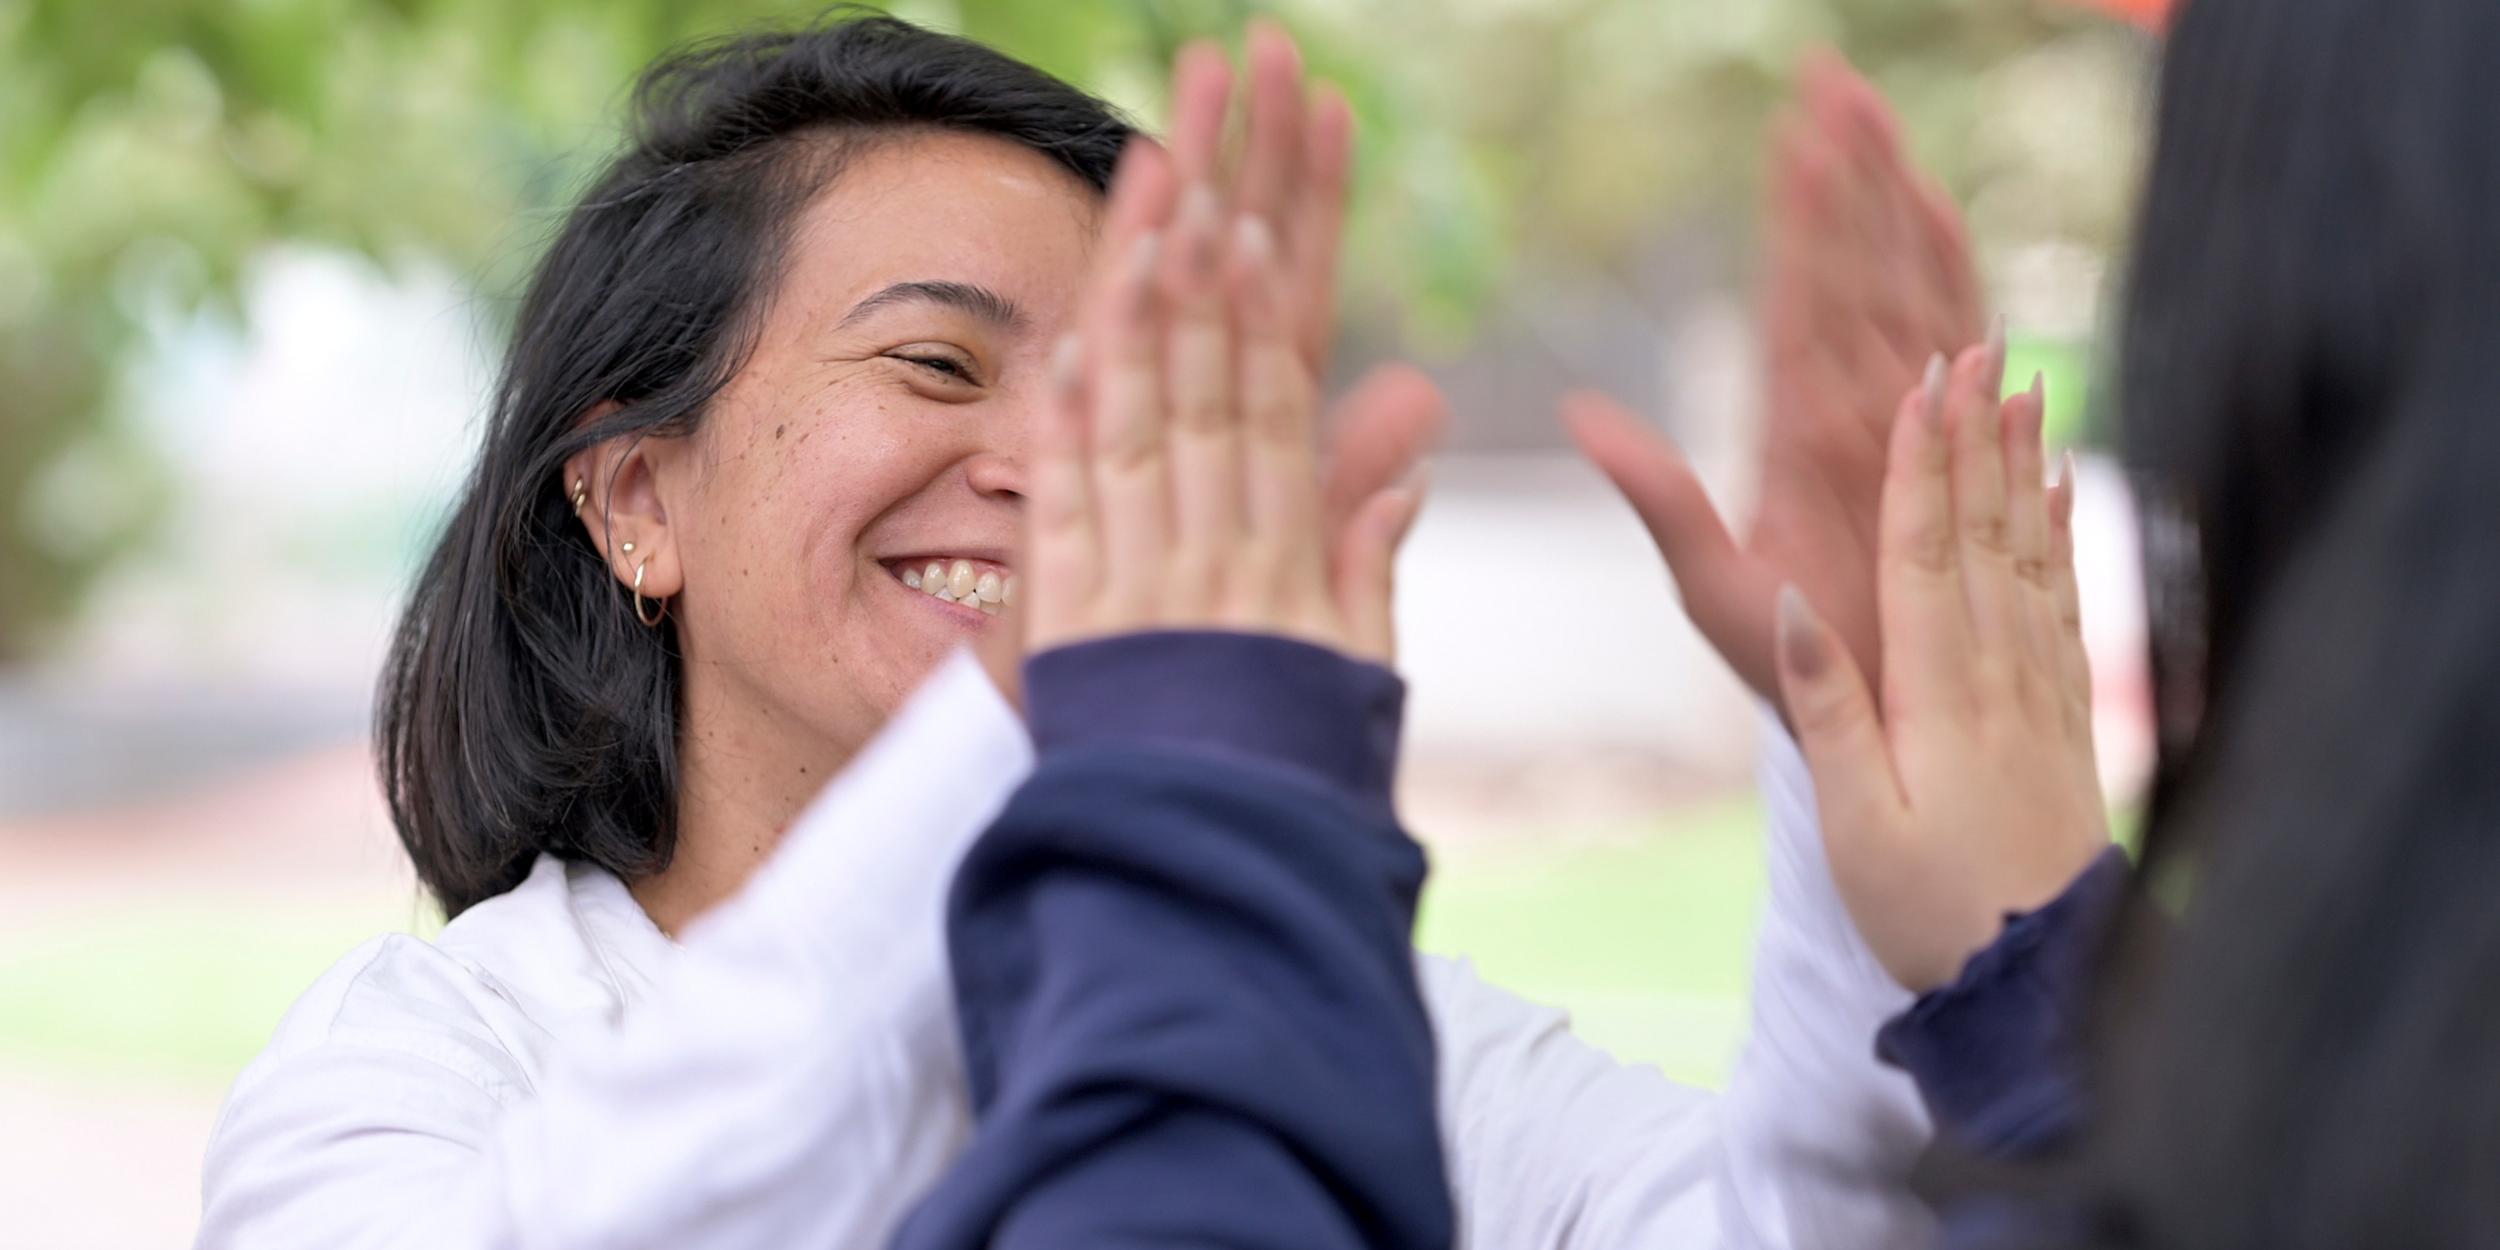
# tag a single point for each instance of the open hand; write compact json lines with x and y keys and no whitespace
{"x":1869,"y":275}
{"x":1175,"y":480}
{"x":1179,"y":202}
{"x":1973,"y":793}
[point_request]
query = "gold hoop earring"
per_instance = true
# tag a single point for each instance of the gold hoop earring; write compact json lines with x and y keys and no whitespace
{"x":660,"y":613}
{"x":581,"y":492}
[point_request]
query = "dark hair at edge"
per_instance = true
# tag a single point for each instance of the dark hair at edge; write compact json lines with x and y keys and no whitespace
{"x":523,"y":709}
{"x":2296,"y":1029}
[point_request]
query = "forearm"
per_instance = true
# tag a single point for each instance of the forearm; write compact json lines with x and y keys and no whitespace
{"x":1820,"y":1138}
{"x":1557,"y":1145}
{"x":1183,"y":966}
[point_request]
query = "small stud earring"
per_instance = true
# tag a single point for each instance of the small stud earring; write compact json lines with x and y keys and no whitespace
{"x":628,"y":549}
{"x":581,"y":493}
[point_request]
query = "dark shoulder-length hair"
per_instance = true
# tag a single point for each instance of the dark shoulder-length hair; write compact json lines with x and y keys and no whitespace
{"x":523,"y":710}
{"x":2301,"y":1018}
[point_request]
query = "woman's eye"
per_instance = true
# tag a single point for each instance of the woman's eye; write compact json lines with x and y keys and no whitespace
{"x":948,"y":367}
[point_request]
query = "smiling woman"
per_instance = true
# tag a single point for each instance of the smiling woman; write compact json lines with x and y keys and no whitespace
{"x":877,"y":422}
{"x":784,"y":346}
{"x":691,"y":761}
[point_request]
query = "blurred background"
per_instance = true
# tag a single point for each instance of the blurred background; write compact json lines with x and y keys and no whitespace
{"x":257,"y":257}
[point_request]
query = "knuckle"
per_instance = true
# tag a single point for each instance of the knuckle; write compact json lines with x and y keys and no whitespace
{"x":1928,"y":548}
{"x":1199,"y":412}
{"x":1131,"y":452}
{"x":1988,"y":533}
{"x":1273,"y":417}
{"x":1823,"y":711}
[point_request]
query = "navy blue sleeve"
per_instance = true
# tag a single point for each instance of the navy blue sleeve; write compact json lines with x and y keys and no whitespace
{"x":1997,"y":1054}
{"x":1182,"y":963}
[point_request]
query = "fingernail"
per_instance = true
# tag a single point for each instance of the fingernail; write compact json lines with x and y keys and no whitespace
{"x":2066,"y":469}
{"x":1252,"y":239}
{"x":1933,"y":386}
{"x":2040,"y":391}
{"x":1800,"y":636}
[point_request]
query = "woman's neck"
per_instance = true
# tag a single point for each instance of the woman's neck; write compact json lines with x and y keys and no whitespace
{"x":736,"y":795}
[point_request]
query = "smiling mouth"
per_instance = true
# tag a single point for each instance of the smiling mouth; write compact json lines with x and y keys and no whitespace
{"x":980,"y":584}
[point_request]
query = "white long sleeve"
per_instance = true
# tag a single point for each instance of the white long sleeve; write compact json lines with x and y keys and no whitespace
{"x":552,"y":1073}
{"x":788,"y":1077}
{"x":1554,"y":1145}
{"x":1820,"y":1137}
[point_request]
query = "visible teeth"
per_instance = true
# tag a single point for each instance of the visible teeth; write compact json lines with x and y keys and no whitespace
{"x":961,"y":581}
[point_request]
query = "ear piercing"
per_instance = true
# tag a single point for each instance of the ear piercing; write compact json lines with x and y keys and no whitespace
{"x":659,"y":610}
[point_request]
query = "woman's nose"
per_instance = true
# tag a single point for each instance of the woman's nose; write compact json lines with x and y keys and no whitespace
{"x":997,"y":474}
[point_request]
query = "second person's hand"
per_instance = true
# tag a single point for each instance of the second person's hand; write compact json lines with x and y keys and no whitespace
{"x":1972,"y":792}
{"x":1869,"y":274}
{"x":1176,"y":480}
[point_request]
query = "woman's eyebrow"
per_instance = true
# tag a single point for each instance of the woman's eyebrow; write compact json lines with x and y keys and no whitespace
{"x":980,"y":301}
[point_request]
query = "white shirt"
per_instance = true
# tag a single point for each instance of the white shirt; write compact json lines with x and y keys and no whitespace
{"x":553,"y":1072}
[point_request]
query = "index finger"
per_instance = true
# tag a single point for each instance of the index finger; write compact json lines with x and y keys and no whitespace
{"x":1271,"y":153}
{"x":1143,"y":197}
{"x":1918,"y":582}
{"x":1202,"y":87}
{"x":1063,"y":540}
{"x":1314,"y":222}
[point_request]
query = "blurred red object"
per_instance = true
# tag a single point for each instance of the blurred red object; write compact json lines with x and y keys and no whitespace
{"x":2149,"y":14}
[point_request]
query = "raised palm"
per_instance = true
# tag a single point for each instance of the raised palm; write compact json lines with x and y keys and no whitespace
{"x":1869,"y":277}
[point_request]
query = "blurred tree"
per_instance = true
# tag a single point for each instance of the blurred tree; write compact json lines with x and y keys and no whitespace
{"x":149,"y":149}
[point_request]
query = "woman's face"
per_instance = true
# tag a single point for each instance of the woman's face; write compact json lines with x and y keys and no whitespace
{"x":879,"y":427}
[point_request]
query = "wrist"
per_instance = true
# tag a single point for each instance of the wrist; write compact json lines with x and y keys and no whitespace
{"x":1259,"y":698}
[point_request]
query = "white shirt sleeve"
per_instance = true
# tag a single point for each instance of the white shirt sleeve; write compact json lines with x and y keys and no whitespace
{"x":794,"y":1081}
{"x":1554,"y":1145}
{"x":1821,"y":1136}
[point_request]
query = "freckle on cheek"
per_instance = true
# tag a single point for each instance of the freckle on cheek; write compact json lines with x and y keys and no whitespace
{"x":777,"y":430}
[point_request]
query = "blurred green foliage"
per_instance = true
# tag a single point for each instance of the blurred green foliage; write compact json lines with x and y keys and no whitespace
{"x":150,"y":149}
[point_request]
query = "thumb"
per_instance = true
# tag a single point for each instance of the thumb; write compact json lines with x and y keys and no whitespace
{"x":1837,"y":727}
{"x":1727,"y":593}
{"x":1366,"y":574}
{"x":1378,"y":433}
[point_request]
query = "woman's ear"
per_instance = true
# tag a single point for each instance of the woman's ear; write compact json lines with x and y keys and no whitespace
{"x":619,"y":488}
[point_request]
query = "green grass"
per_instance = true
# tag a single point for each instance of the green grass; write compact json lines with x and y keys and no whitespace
{"x":1645,"y":934}
{"x":183,"y":993}
{"x":1642,"y":933}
